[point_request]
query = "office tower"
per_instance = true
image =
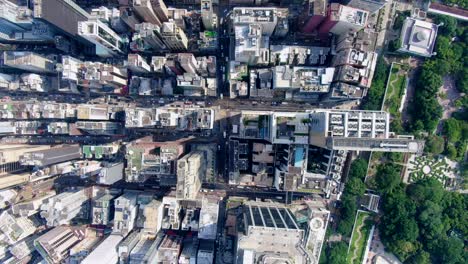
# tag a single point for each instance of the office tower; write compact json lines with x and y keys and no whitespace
{"x":107,"y":42}
{"x":28,"y":61}
{"x":160,"y":9}
{"x":343,"y":19}
{"x":209,"y":18}
{"x":188,"y":62}
{"x":191,"y":169}
{"x":125,"y":213}
{"x":101,"y":213}
{"x":54,"y":246}
{"x":174,"y":37}
{"x":145,"y":10}
{"x":138,"y":64}
{"x":54,"y":12}
{"x":62,"y":208}
{"x":51,"y":156}
{"x":315,"y":13}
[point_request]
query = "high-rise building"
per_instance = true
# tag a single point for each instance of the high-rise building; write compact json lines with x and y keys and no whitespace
{"x":14,"y":229}
{"x":107,"y":42}
{"x":101,"y":213}
{"x":188,"y":62}
{"x":371,"y":6}
{"x":315,"y":13}
{"x":62,"y":208}
{"x":251,"y":45}
{"x":125,"y":213}
{"x":170,"y":249}
{"x":343,"y":19}
{"x":51,"y":156}
{"x":54,"y":246}
{"x":105,"y":252}
{"x":13,"y":19}
{"x":10,"y":156}
{"x":138,"y":64}
{"x":28,"y":61}
{"x":148,"y":36}
{"x":54,"y":12}
{"x":126,"y":246}
{"x":174,"y":36}
{"x":152,"y":217}
{"x":208,"y":224}
{"x":191,"y":169}
{"x":271,"y":232}
{"x":145,"y":10}
{"x":110,"y":173}
{"x":209,"y":18}
{"x":160,"y":9}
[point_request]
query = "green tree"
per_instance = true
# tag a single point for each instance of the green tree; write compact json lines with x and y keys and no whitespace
{"x":358,"y":169}
{"x":347,"y":214}
{"x":450,"y":251}
{"x":426,"y":189}
{"x":452,"y":129}
{"x":430,"y":220}
{"x":337,"y":253}
{"x":422,"y":257}
{"x":450,"y":25}
{"x":387,"y":177}
{"x":451,"y":152}
{"x":355,"y":186}
{"x":434,"y":145}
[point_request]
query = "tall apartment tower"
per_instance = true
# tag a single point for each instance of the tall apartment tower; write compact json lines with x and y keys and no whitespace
{"x":160,"y":9}
{"x":190,"y":171}
{"x":207,"y":14}
{"x":125,"y":213}
{"x":174,"y":36}
{"x":188,"y":62}
{"x":28,"y":61}
{"x":316,"y":12}
{"x":343,"y":19}
{"x":150,"y":36}
{"x":145,"y":10}
{"x":63,"y":207}
{"x":107,"y":42}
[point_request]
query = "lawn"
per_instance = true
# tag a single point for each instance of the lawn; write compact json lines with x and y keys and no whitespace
{"x":396,"y":87}
{"x":359,"y":238}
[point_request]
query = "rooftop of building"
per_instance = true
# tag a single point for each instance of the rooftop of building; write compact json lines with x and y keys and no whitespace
{"x":418,"y":37}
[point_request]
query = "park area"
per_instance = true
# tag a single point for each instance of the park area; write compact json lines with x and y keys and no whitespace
{"x":359,"y":237}
{"x":440,"y":168}
{"x":396,"y":86}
